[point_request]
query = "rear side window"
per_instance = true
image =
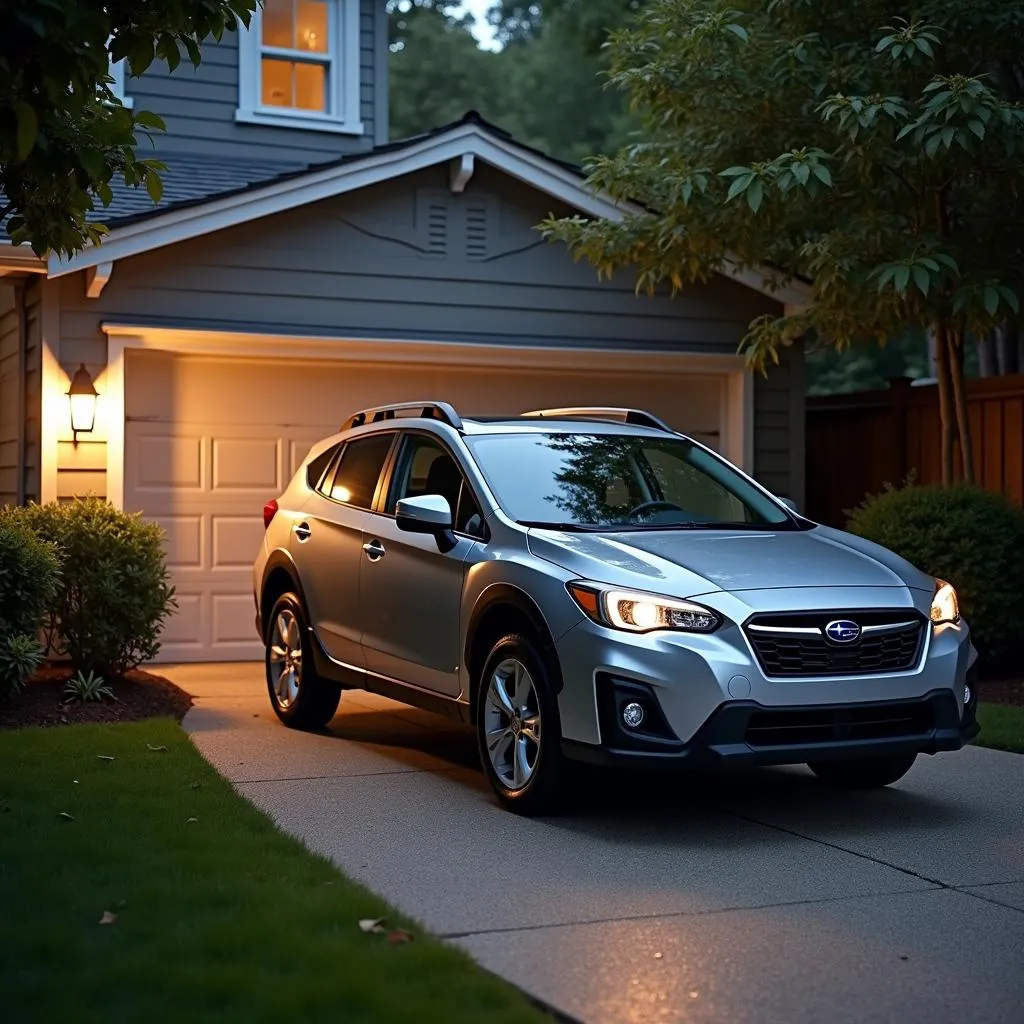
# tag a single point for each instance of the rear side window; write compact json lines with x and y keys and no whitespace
{"x":317,"y":467}
{"x":355,"y":479}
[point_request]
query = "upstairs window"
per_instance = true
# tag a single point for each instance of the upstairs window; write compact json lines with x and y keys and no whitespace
{"x":299,"y":65}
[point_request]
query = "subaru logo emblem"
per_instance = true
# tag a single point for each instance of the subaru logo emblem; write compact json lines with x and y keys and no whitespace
{"x":842,"y":631}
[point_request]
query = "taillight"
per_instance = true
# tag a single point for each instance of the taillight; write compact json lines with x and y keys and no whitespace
{"x":269,"y":511}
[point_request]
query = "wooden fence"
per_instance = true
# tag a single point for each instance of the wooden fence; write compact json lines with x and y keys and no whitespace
{"x":857,"y":443}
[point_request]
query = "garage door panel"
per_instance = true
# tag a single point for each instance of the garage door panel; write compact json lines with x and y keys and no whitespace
{"x":236,"y":539}
{"x":232,"y":619}
{"x":204,"y":451}
{"x":246,"y":463}
{"x":163,"y":463}
{"x":183,"y":540}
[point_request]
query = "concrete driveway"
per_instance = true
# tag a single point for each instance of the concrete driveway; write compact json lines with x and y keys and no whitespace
{"x":757,"y":898}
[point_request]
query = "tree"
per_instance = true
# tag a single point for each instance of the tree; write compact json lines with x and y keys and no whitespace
{"x":879,"y":156}
{"x":64,"y":136}
{"x":437,"y":70}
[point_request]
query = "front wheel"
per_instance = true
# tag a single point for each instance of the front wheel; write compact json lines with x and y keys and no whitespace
{"x":518,"y":730}
{"x":864,"y":773}
{"x":300,"y":698}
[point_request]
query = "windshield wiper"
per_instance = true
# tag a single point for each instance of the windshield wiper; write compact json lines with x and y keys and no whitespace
{"x":708,"y":526}
{"x":562,"y":527}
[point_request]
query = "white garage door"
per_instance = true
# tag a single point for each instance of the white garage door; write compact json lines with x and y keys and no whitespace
{"x":209,"y":441}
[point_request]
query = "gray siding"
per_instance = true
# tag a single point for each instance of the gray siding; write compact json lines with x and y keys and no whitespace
{"x":20,"y":392}
{"x":11,"y":384}
{"x":779,"y":426}
{"x":199,"y":104}
{"x":407,"y":259}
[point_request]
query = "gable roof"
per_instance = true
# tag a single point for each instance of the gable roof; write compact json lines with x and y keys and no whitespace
{"x":247,"y":194}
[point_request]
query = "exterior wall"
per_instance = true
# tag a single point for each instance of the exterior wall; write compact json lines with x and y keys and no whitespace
{"x":410,"y":260}
{"x":779,"y":434}
{"x":198,"y":104}
{"x":20,"y":392}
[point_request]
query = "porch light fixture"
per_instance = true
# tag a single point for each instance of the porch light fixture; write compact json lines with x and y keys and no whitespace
{"x":82,"y":395}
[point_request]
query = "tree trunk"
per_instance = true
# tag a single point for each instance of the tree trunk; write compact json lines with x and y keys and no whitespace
{"x":955,"y":341}
{"x":947,"y":423}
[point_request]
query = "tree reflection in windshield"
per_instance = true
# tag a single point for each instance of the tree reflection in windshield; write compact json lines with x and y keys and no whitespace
{"x":572,"y":480}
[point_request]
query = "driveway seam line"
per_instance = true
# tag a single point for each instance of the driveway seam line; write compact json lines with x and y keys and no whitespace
{"x":361,"y":775}
{"x":843,"y":849}
{"x":682,"y":913}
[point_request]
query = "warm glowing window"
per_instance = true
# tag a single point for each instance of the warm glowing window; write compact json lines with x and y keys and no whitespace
{"x":300,"y":65}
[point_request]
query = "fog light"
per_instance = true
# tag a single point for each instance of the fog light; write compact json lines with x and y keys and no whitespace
{"x":633,"y":714}
{"x":967,"y":695}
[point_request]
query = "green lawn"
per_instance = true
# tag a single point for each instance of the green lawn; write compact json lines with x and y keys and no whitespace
{"x":220,"y":918}
{"x":1002,"y":727}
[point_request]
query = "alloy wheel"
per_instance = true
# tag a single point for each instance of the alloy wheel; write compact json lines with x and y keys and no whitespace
{"x":512,"y":726}
{"x":286,"y":658}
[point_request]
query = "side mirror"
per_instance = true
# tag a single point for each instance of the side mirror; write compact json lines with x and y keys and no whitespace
{"x":789,"y":503}
{"x":429,"y":514}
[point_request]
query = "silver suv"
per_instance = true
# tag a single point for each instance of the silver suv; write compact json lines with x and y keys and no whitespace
{"x":590,"y":585}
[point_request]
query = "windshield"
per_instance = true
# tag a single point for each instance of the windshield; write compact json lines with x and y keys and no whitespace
{"x":602,"y":481}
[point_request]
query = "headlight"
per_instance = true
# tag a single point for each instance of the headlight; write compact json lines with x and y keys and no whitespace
{"x":945,"y":607}
{"x":641,"y":613}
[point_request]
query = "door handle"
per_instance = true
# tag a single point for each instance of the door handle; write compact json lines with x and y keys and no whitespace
{"x":374,"y":550}
{"x":302,"y":531}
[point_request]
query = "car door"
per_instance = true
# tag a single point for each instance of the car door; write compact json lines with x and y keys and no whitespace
{"x":411,"y":591}
{"x":328,"y":539}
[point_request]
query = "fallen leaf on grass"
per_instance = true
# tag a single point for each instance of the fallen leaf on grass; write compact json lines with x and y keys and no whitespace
{"x":104,"y":757}
{"x":398,"y":936}
{"x":371,"y":924}
{"x":194,"y":785}
{"x":108,"y":917}
{"x":192,"y":819}
{"x":66,"y":816}
{"x":155,"y":749}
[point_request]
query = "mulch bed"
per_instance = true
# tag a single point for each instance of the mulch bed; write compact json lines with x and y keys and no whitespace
{"x":139,"y":695}
{"x":1002,"y":691}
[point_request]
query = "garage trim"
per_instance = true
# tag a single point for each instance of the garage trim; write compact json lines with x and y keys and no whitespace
{"x":731,"y":370}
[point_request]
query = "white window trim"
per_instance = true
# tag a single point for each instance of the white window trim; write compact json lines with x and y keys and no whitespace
{"x":117,"y":86}
{"x":343,"y":96}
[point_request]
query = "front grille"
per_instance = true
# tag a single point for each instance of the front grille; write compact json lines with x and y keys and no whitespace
{"x":794,"y":645}
{"x":827,"y":725}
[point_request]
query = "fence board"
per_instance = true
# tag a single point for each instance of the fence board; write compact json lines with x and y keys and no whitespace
{"x":858,"y":443}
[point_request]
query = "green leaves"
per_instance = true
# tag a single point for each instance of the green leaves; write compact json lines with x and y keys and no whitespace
{"x":27,"y":130}
{"x":908,"y":41}
{"x":928,"y":270}
{"x":64,"y":138}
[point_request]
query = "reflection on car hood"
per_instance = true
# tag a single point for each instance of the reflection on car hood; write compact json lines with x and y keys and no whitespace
{"x":687,"y":563}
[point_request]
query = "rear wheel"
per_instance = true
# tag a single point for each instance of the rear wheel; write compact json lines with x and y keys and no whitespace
{"x":518,"y":729}
{"x":864,"y":773}
{"x":300,"y":698}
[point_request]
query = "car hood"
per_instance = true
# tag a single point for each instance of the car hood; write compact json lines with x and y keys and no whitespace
{"x":687,"y":563}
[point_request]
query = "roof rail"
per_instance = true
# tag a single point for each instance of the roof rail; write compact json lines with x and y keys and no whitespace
{"x":637,"y":417}
{"x":425,"y":410}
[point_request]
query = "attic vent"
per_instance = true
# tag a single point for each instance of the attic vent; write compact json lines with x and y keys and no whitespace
{"x":437,"y":228}
{"x":476,"y":232}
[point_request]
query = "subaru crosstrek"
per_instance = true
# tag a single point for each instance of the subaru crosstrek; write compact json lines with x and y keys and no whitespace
{"x":589,"y":584}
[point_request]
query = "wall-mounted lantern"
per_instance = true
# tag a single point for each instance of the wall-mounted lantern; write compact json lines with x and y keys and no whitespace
{"x":82,"y":394}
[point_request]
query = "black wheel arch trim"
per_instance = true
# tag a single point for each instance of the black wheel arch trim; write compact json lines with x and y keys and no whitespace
{"x":280,"y":559}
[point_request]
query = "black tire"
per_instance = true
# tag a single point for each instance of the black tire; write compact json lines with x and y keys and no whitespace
{"x":543,"y":793}
{"x":864,"y":773}
{"x":315,"y":700}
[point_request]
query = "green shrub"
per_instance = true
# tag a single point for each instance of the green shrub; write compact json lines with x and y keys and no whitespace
{"x":109,"y":612}
{"x":970,"y":537}
{"x":29,"y":576}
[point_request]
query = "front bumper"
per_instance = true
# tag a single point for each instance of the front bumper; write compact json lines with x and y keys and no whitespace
{"x":745,"y":733}
{"x":701,"y":690}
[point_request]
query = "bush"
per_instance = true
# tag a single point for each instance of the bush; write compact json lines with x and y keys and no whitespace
{"x":108,"y":614}
{"x":970,"y":537}
{"x":29,"y":576}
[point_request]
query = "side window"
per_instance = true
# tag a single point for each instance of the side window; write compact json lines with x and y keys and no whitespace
{"x":425,"y":467}
{"x":317,"y":467}
{"x":355,"y":479}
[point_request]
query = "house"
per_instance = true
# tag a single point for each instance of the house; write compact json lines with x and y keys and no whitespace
{"x":302,"y":265}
